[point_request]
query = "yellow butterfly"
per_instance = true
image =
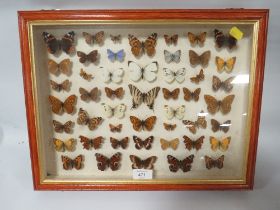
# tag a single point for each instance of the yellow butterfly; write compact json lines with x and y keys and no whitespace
{"x":172,"y":144}
{"x":221,"y":145}
{"x":225,"y":65}
{"x":61,"y":146}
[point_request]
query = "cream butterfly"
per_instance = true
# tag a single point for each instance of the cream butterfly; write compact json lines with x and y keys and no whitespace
{"x":170,"y":76}
{"x":114,"y":76}
{"x":147,"y":72}
{"x":117,"y":111}
{"x":171,"y":112}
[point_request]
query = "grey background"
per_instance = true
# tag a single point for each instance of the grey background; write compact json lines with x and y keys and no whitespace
{"x":16,"y":189}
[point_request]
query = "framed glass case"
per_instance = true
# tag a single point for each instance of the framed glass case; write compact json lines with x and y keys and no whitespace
{"x":143,"y":99}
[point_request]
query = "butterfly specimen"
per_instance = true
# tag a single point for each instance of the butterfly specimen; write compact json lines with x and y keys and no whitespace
{"x":216,"y":126}
{"x":91,"y":143}
{"x":116,"y":38}
{"x":194,"y":125}
{"x":221,"y":145}
{"x":115,"y":76}
{"x":137,"y":72}
{"x":214,"y":163}
{"x":118,"y":111}
{"x":66,"y":127}
{"x":65,"y":85}
{"x":61,"y":146}
{"x":104,"y":162}
{"x":91,"y":95}
{"x":224,"y":41}
{"x":95,"y":38}
{"x":115,"y":128}
{"x":138,"y":163}
{"x":171,"y":39}
{"x":170,"y":76}
{"x":198,"y":78}
{"x":169,"y":127}
{"x":224,"y":85}
{"x":115,"y":56}
{"x":202,"y":59}
{"x":123,"y":143}
{"x":65,"y":44}
{"x":225,"y":65}
{"x":139,"y":97}
{"x":171,"y":112}
{"x":193,"y":144}
{"x":189,"y":95}
{"x":146,"y":143}
{"x":167,"y":94}
{"x":62,"y":67}
{"x":58,"y":106}
{"x":86,"y":75}
{"x":138,"y":48}
{"x":169,"y":144}
{"x":214,"y":105}
{"x":185,"y":165}
{"x":197,"y":39}
{"x":146,"y":124}
{"x":117,"y":93}
{"x":84,"y":119}
{"x":69,"y":163}
{"x":90,"y":57}
{"x":172,"y":57}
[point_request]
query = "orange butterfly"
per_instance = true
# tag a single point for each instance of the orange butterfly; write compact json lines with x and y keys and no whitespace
{"x":61,"y":146}
{"x":214,"y":105}
{"x":84,"y":119}
{"x":197,"y":39}
{"x":146,"y":124}
{"x":216,"y":126}
{"x":66,"y":127}
{"x":118,"y":93}
{"x":138,"y":163}
{"x":225,"y":65}
{"x":169,"y":127}
{"x":214,"y":163}
{"x":166,"y":144}
{"x":221,"y":145}
{"x":189,"y":95}
{"x":171,"y":39}
{"x":68,"y":105}
{"x":65,"y":85}
{"x":198,"y":78}
{"x":62,"y":67}
{"x":167,"y":94}
{"x":69,"y":163}
{"x":88,"y":143}
{"x":202,"y":59}
{"x":225,"y":85}
{"x":193,"y":144}
{"x":138,"y":47}
{"x":92,"y":95}
{"x":85,"y":75}
{"x":123,"y":143}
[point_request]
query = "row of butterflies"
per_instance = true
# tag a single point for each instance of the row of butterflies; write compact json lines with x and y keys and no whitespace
{"x":140,"y":124}
{"x":138,"y":48}
{"x":114,"y":162}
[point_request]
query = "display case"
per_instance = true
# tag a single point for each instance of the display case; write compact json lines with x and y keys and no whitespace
{"x":143,"y":99}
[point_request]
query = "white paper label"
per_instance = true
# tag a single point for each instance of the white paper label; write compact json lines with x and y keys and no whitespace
{"x":142,"y":174}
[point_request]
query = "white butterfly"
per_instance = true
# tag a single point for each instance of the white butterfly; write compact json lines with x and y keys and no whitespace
{"x":178,"y":112}
{"x":170,"y":75}
{"x":137,"y":72}
{"x":115,"y":76}
{"x":117,"y":111}
{"x":172,"y":57}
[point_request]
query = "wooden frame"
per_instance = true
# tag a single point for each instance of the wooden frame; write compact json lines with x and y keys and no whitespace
{"x":258,"y":16}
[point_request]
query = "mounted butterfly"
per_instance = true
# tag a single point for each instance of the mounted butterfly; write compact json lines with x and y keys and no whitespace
{"x":137,"y":72}
{"x":63,"y":66}
{"x":97,"y":38}
{"x":222,"y":40}
{"x":91,"y":142}
{"x":148,"y":46}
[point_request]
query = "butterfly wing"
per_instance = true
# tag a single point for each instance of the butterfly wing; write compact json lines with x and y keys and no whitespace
{"x":114,"y":142}
{"x":111,"y":55}
{"x":149,"y":72}
{"x":135,"y":44}
{"x":208,"y":162}
{"x":212,"y":104}
{"x":124,"y":142}
{"x":83,"y":117}
{"x":230,"y":64}
{"x":51,"y":42}
{"x":136,"y":162}
{"x":114,"y":161}
{"x":137,"y":96}
{"x":169,"y":75}
{"x":135,"y":71}
{"x":67,"y":42}
{"x":58,"y":127}
{"x":215,"y":125}
{"x":82,"y":56}
{"x":216,"y":83}
{"x":176,"y":56}
{"x":93,"y":56}
{"x":188,"y":143}
{"x":164,"y":144}
{"x":169,"y":127}
{"x":174,"y":143}
{"x":168,"y":56}
{"x":196,"y":94}
{"x":108,"y":111}
{"x":198,"y":77}
{"x":52,"y":66}
{"x":220,"y":162}
{"x":194,"y":58}
{"x":150,"y":97}
{"x":117,"y":75}
{"x":64,"y":66}
{"x":99,"y":37}
{"x":56,"y":104}
{"x":150,"y":44}
{"x":102,"y":161}
{"x":69,"y":144}
{"x":94,"y":94}
{"x":205,"y":57}
{"x":78,"y":162}
{"x":138,"y":142}
{"x":190,"y":125}
{"x":119,"y":111}
{"x":224,"y":144}
{"x":225,"y":126}
{"x":186,"y":164}
{"x":214,"y":143}
{"x":227,"y":84}
{"x":88,"y":37}
{"x":174,"y":163}
{"x":85,"y":95}
{"x":187,"y":94}
{"x":69,"y":104}
{"x":93,"y":123}
{"x":149,"y":162}
{"x":226,"y":104}
{"x":167,"y":94}
{"x":192,"y":38}
{"x":58,"y":145}
{"x":202,"y":37}
{"x":220,"y":63}
{"x":66,"y":162}
{"x":198,"y":143}
{"x":120,"y":55}
{"x":180,"y":75}
{"x":180,"y":112}
{"x":169,"y":112}
{"x":149,"y":123}
{"x":147,"y":143}
{"x":136,"y":123}
{"x":115,"y":128}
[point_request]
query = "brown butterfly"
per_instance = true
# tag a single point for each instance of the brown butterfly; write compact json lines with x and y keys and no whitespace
{"x":197,"y":39}
{"x":118,"y":93}
{"x":221,"y":145}
{"x":214,"y":105}
{"x":98,"y":37}
{"x":91,"y":57}
{"x":222,"y":40}
{"x":62,"y":67}
{"x":66,"y":127}
{"x":103,"y":162}
{"x":202,"y":59}
{"x":193,"y":144}
{"x":115,"y":128}
{"x":194,"y":125}
{"x":167,"y":94}
{"x":171,"y":39}
{"x":92,"y":95}
{"x":89,"y":143}
{"x":146,"y":124}
{"x":68,"y":105}
{"x":65,"y":85}
{"x":138,"y":163}
{"x":198,"y":78}
{"x":189,"y":95}
{"x":185,"y":165}
{"x":169,"y":144}
{"x":169,"y":127}
{"x":216,"y":126}
{"x":116,"y":38}
{"x":123,"y":143}
{"x":84,"y":119}
{"x":61,"y":146}
{"x":139,"y":143}
{"x":86,"y":75}
{"x":225,"y":85}
{"x":214,"y":163}
{"x":69,"y":163}
{"x":138,"y":47}
{"x":225,"y":65}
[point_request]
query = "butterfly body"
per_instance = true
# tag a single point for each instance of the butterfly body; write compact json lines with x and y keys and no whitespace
{"x":138,"y":163}
{"x":214,"y":163}
{"x":66,"y":127}
{"x":91,"y":143}
{"x":61,"y":146}
{"x":214,"y":105}
{"x":193,"y":144}
{"x":84,"y":119}
{"x":58,"y":106}
{"x":169,"y":144}
{"x":222,"y":40}
{"x":146,"y":143}
{"x":69,"y":163}
{"x":175,"y":164}
{"x":123,"y":143}
{"x":138,"y":48}
{"x":103,"y":162}
{"x":220,"y":144}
